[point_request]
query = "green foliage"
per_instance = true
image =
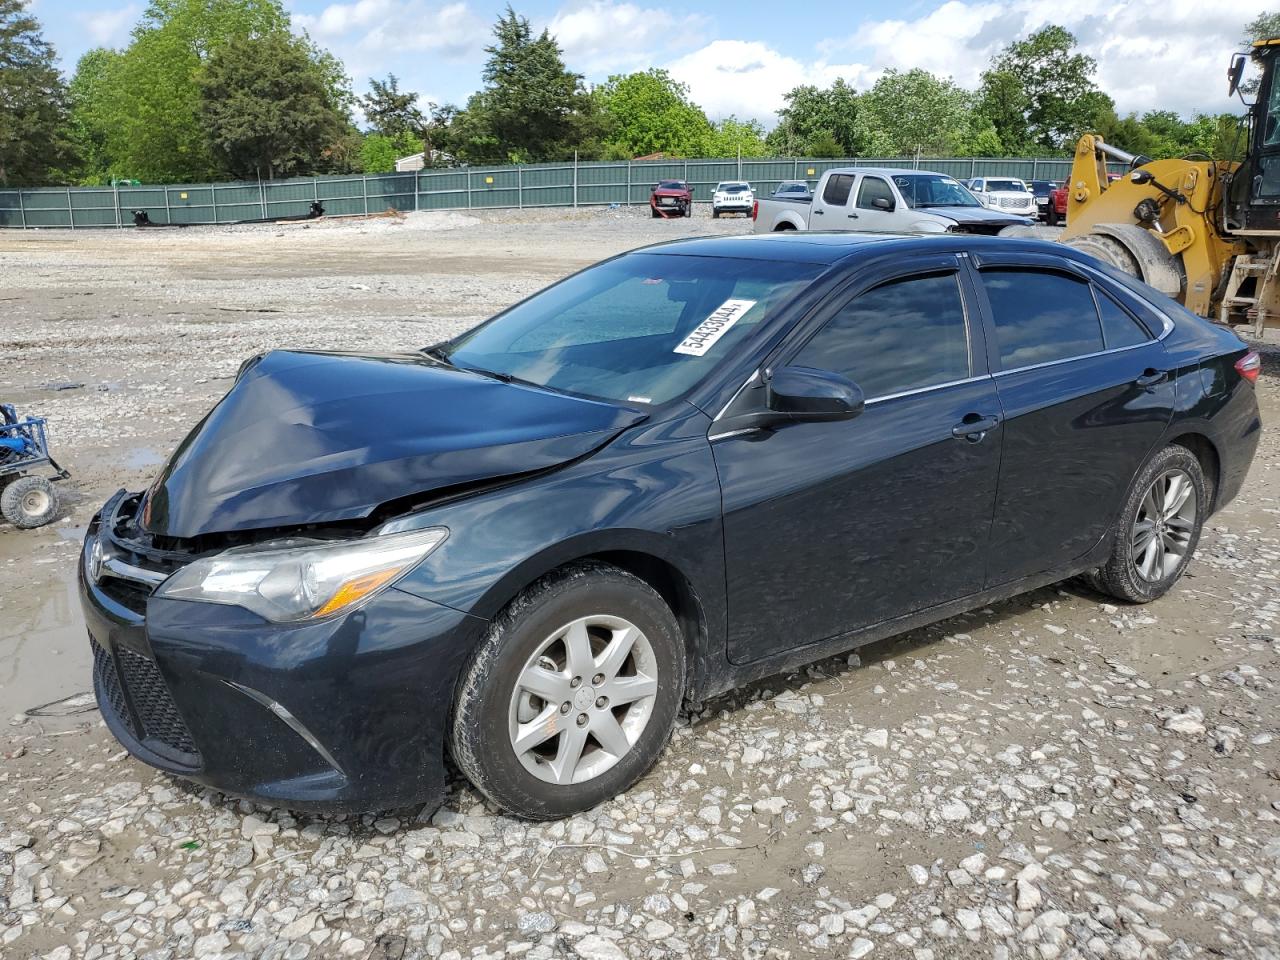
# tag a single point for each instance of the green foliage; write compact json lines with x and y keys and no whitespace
{"x":817,"y":122}
{"x":916,"y":112}
{"x":732,"y":137}
{"x":650,"y":112}
{"x":34,"y":124}
{"x":88,"y":130}
{"x":1040,"y":94}
{"x":1162,"y":133}
{"x":379,"y":152}
{"x":390,"y":110}
{"x":531,"y":107}
{"x":1265,"y":26}
{"x":267,"y":107}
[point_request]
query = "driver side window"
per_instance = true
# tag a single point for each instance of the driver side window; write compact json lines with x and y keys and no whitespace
{"x":872,"y":189}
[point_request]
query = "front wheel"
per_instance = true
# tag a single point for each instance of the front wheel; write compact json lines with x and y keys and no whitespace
{"x":29,"y":502}
{"x":572,"y":695}
{"x":1159,"y":528}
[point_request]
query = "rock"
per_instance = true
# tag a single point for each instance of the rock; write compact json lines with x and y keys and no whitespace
{"x":752,"y":755}
{"x":954,"y":811}
{"x":876,"y":738}
{"x":596,"y":947}
{"x":1028,"y":896}
{"x":968,"y":919}
{"x":1188,"y":723}
{"x":535,"y":923}
{"x":860,"y":948}
{"x":769,"y":805}
{"x":918,"y":873}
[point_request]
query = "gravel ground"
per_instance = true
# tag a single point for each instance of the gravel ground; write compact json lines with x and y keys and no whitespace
{"x":1050,"y":777}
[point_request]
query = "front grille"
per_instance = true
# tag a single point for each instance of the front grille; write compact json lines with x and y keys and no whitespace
{"x":151,"y":700}
{"x":130,"y":594}
{"x":108,"y":683}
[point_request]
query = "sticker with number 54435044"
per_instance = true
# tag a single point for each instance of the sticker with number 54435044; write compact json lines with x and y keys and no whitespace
{"x":705,"y":335}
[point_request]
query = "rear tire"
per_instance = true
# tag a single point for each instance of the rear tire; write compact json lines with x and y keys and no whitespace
{"x":1158,"y":529}
{"x":571,"y":696}
{"x":1051,"y":217}
{"x":29,"y":502}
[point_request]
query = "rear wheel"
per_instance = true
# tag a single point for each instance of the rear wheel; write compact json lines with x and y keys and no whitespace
{"x":1051,"y":216}
{"x":572,"y":695}
{"x":29,"y":502}
{"x":1159,"y":528}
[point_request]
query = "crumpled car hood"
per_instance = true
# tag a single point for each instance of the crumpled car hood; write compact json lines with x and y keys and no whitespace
{"x":307,"y":437}
{"x":978,"y":215}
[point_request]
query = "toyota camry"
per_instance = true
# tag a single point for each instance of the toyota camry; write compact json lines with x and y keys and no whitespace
{"x":676,"y":471}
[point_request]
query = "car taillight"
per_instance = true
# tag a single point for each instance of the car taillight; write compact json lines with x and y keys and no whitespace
{"x":755,"y":209}
{"x":1249,"y":366}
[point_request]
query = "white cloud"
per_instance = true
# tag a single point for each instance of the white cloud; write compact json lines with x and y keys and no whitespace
{"x":110,"y":28}
{"x":598,"y":36}
{"x":383,"y":29}
{"x":749,"y":78}
{"x":1152,"y":54}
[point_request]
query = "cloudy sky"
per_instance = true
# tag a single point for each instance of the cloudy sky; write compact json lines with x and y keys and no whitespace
{"x":740,"y":56}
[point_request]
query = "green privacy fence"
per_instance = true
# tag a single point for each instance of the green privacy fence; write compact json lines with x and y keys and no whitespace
{"x":461,"y":188}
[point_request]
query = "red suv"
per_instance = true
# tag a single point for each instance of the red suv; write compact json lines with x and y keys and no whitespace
{"x":671,"y":198}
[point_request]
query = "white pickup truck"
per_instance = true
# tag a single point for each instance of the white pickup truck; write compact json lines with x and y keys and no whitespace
{"x":876,"y":200}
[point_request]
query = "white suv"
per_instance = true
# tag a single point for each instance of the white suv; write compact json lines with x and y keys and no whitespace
{"x":732,"y":196}
{"x":1004,"y":193}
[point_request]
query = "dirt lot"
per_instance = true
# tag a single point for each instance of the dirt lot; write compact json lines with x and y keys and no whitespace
{"x":1050,"y":777}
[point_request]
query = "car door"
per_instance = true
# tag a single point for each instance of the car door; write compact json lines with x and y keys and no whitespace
{"x":829,"y":527}
{"x":829,"y":210}
{"x":875,"y":206}
{"x":1086,"y":392}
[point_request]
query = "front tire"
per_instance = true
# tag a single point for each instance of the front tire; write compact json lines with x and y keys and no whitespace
{"x":29,"y":502}
{"x":571,"y":696}
{"x":1158,"y":529}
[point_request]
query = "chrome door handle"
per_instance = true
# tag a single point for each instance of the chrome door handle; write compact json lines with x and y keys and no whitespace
{"x":974,"y":427}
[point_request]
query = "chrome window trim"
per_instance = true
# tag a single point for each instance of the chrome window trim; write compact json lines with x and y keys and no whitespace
{"x":925,"y":389}
{"x":1082,"y":356}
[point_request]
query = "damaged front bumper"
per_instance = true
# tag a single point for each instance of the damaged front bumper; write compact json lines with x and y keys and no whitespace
{"x":343,"y":714}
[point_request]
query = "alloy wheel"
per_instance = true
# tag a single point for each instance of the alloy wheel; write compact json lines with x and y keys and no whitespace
{"x":1164,"y":526}
{"x":583,"y":699}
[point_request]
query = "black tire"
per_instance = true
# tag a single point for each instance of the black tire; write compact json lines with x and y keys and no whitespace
{"x":29,"y":502}
{"x":1121,"y":577}
{"x":654,"y":214}
{"x":1051,"y":217}
{"x":715,"y":214}
{"x":480,"y":736}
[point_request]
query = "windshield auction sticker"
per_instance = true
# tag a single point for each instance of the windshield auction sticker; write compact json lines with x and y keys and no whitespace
{"x":714,"y":327}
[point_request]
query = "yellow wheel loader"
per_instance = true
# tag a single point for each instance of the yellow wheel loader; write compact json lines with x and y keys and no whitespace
{"x":1206,"y":232}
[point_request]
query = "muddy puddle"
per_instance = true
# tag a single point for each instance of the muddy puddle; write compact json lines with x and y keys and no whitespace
{"x":44,"y":656}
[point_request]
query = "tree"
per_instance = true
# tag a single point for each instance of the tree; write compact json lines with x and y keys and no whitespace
{"x":33,"y":101}
{"x":390,"y":110}
{"x":267,"y":107}
{"x":817,"y":122}
{"x":915,"y":111}
{"x":379,"y":152}
{"x":1265,"y":26}
{"x":531,"y":107}
{"x":89,"y":131}
{"x":1038,"y":93}
{"x":650,"y":112}
{"x":732,"y":137}
{"x":147,"y":101}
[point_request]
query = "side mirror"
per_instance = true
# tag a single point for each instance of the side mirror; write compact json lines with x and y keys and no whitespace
{"x":807,"y":395}
{"x":1235,"y":72}
{"x":883,"y":203}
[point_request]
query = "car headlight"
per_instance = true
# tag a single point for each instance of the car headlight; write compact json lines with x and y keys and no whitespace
{"x":303,"y":581}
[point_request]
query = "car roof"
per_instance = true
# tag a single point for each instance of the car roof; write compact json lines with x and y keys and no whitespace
{"x":891,"y":171}
{"x":832,"y":248}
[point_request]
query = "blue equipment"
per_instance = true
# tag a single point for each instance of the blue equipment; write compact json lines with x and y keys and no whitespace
{"x":26,"y":499}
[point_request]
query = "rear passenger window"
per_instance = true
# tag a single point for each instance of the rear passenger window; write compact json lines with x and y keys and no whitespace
{"x":836,"y":192}
{"x":1118,"y":328}
{"x":1041,"y":316}
{"x":903,"y":335}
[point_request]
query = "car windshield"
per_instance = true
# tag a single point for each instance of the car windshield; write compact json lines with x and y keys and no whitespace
{"x":1006,"y":186}
{"x":642,"y":328}
{"x":933,"y":190}
{"x":1042,"y":188}
{"x":670,"y":185}
{"x":733,"y":187}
